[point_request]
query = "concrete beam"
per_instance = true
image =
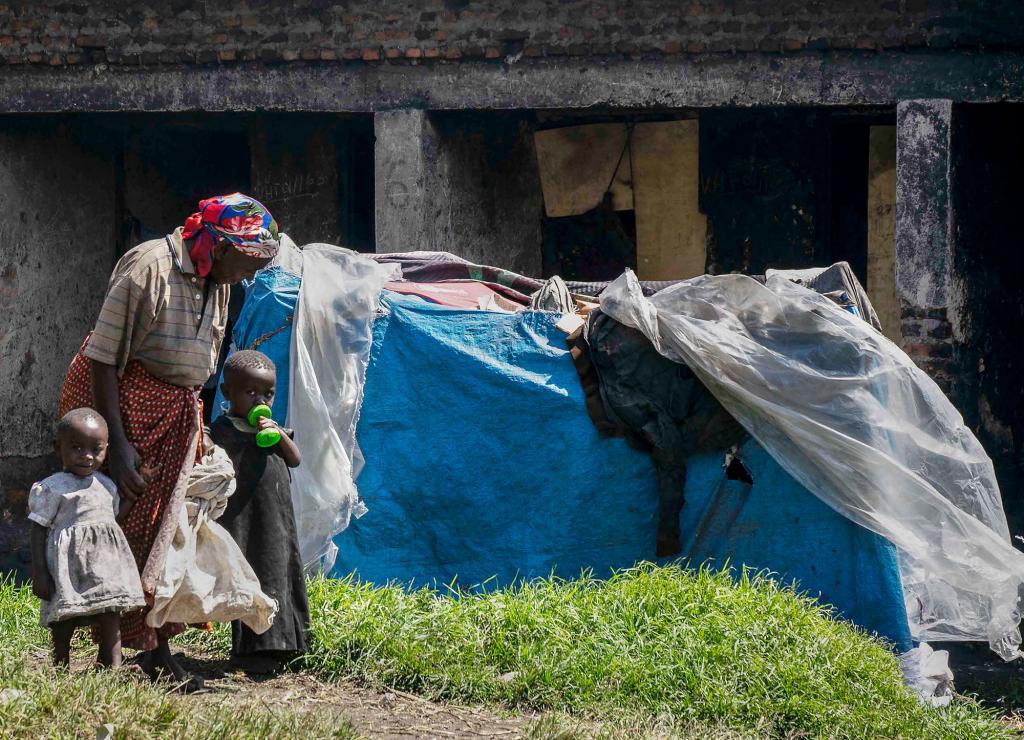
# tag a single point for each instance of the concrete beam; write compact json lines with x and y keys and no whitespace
{"x":756,"y":79}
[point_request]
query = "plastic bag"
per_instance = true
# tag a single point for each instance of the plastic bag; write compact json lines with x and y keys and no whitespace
{"x":206,"y":577}
{"x":927,"y":672}
{"x":848,"y":415}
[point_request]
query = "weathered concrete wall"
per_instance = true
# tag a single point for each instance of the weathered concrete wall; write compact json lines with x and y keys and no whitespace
{"x":458,"y":183}
{"x":924,"y":233}
{"x":57,"y":243}
{"x":487,"y":203}
{"x":194,"y":32}
{"x":295,"y":174}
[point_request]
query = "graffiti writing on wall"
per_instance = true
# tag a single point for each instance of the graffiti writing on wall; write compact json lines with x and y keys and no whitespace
{"x":300,"y":186}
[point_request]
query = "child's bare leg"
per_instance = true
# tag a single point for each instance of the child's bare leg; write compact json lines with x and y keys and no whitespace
{"x":62,"y":633}
{"x":109,"y":627}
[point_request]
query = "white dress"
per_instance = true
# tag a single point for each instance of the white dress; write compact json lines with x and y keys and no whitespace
{"x":89,"y":559}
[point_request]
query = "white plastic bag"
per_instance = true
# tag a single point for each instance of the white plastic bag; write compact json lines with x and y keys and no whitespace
{"x":927,"y":672}
{"x":206,"y":577}
{"x":848,"y":415}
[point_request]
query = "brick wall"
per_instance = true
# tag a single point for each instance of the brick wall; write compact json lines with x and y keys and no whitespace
{"x":928,"y":340}
{"x":232,"y":31}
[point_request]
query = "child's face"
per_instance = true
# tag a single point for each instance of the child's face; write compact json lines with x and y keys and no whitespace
{"x":248,"y":387}
{"x":83,"y":446}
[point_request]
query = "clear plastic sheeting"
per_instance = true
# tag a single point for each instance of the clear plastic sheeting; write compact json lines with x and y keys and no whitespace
{"x":847,"y":414}
{"x":331,"y":341}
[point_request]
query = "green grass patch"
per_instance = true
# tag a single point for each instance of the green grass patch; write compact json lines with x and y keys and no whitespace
{"x":651,"y":647}
{"x":694,"y":649}
{"x":57,"y":704}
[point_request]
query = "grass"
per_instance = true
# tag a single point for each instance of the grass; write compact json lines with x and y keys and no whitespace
{"x":59,"y":704}
{"x":652,"y":647}
{"x":696,"y":649}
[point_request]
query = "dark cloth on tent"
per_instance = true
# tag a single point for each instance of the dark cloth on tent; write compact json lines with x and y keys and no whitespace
{"x":260,"y":518}
{"x":659,"y":406}
{"x":433,"y":267}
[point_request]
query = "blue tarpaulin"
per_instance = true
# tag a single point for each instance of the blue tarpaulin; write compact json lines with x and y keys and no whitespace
{"x":481,"y":462}
{"x":778,"y":525}
{"x":265,"y":323}
{"x":482,"y":466}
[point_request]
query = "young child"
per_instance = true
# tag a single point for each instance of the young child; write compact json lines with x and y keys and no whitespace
{"x":82,"y":567}
{"x":259,"y":515}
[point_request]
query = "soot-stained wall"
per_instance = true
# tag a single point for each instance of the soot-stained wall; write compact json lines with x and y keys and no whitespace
{"x":491,"y":204}
{"x":763,"y":187}
{"x":465,"y":183}
{"x":989,"y":268}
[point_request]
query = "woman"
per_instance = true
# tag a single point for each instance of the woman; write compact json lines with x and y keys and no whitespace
{"x":155,"y":344}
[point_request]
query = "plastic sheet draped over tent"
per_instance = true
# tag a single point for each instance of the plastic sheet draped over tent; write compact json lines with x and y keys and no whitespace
{"x":847,"y":413}
{"x":330,"y":349}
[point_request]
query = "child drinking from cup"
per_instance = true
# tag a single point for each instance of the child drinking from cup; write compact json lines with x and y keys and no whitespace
{"x":259,"y":515}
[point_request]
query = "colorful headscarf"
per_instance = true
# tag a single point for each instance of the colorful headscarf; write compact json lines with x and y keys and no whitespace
{"x":243,"y":221}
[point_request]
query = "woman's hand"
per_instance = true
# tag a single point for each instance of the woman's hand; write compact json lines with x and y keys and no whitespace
{"x":125,"y":464}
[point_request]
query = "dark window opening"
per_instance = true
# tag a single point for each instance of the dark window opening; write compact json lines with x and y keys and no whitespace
{"x":593,"y":246}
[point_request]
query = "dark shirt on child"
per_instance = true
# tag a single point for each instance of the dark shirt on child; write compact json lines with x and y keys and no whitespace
{"x":260,"y":518}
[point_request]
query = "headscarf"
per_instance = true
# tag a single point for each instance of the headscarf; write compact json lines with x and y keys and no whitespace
{"x":243,"y":221}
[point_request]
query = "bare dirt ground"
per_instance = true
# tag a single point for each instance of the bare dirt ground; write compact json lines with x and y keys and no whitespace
{"x":373,"y":713}
{"x":384,"y":714}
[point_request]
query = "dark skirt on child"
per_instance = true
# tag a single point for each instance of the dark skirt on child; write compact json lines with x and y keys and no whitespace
{"x":261,"y":519}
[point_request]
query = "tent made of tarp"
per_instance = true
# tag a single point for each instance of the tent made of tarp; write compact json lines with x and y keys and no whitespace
{"x":482,"y":466}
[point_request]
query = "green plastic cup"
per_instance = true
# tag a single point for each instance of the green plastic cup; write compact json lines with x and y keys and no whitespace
{"x":264,"y":437}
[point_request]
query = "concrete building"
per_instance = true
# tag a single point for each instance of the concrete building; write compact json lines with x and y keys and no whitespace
{"x":726,"y":134}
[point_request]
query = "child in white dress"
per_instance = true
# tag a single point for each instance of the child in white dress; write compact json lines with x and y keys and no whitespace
{"x":82,"y":567}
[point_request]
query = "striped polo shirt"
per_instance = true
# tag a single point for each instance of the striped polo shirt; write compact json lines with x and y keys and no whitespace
{"x":154,"y":313}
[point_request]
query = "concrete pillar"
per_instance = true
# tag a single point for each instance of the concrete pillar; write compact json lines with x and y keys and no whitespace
{"x":458,"y":182}
{"x":924,"y":232}
{"x":405,"y":152}
{"x":881,"y":265}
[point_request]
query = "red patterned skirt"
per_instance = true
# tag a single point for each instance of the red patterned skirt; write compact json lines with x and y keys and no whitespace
{"x":161,"y":421}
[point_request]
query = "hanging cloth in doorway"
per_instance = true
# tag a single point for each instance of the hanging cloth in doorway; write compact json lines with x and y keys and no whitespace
{"x":594,"y":245}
